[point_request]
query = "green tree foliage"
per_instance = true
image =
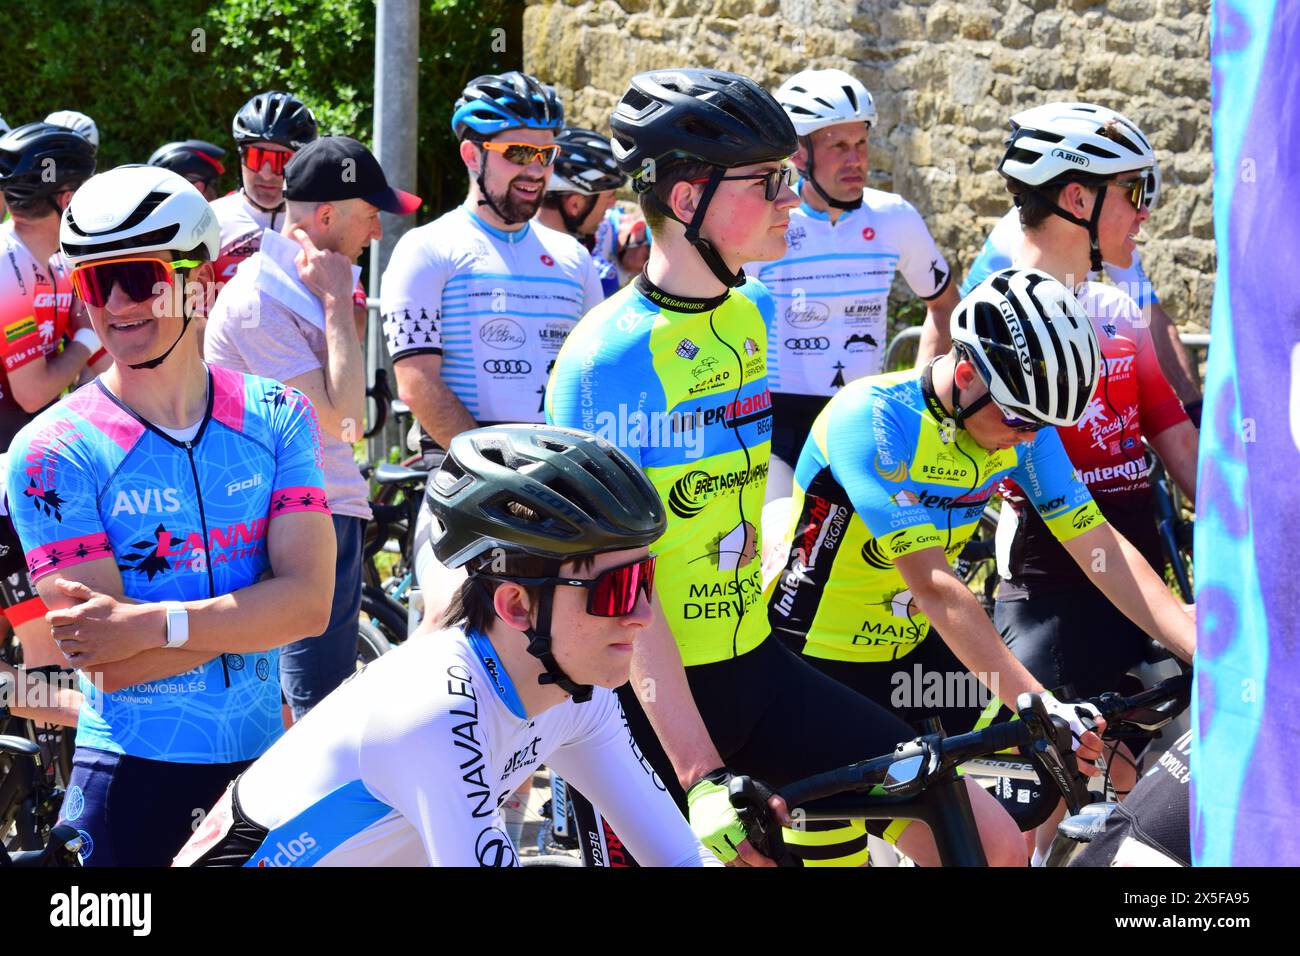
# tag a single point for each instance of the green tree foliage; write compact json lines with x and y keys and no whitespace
{"x":152,"y":71}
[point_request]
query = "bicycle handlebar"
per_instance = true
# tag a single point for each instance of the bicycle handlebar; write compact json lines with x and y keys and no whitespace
{"x":383,"y":398}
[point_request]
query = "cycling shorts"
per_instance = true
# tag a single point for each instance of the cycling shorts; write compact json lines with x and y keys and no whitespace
{"x":792,"y":421}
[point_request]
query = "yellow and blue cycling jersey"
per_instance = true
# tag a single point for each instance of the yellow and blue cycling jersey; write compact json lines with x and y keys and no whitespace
{"x":886,"y":473}
{"x":680,"y":385}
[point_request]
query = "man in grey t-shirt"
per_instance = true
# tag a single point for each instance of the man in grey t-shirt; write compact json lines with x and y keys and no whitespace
{"x":287,"y":315}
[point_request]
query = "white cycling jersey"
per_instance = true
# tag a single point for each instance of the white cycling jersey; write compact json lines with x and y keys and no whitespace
{"x":1003,"y":246}
{"x":495,"y":305}
{"x":408,"y":763}
{"x":832,"y":290}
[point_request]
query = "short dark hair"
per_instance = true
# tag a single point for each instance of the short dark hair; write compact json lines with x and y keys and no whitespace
{"x":662,"y":188}
{"x":1035,"y":203}
{"x":471,"y":606}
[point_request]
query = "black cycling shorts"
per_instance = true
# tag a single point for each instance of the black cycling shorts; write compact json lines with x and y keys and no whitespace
{"x":792,"y":420}
{"x":774,"y":716}
{"x":1075,"y":638}
{"x":18,"y":598}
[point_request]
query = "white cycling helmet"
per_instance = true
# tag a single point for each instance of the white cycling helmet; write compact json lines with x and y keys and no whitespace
{"x":138,"y":209}
{"x":78,"y":123}
{"x":1153,"y":186}
{"x":1072,"y":139}
{"x":1031,"y":343}
{"x":815,"y":99}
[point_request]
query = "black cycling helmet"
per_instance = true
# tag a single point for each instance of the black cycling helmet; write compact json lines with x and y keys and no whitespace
{"x":38,"y":160}
{"x":191,"y":157}
{"x":586,"y":164}
{"x":585,"y":496}
{"x":701,"y":116}
{"x":724,"y":120}
{"x":493,"y":103}
{"x":588,"y":496}
{"x":274,"y":117}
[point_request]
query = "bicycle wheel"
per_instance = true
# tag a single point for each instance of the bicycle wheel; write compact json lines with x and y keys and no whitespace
{"x":383,"y":613}
{"x":371,"y":644}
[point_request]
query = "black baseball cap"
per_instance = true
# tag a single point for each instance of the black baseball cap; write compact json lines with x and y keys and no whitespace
{"x":338,"y":167}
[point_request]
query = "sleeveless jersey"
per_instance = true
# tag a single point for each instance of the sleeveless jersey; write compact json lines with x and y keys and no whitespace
{"x":89,"y":479}
{"x":885,"y":474}
{"x":832,"y":290}
{"x":681,"y":386}
{"x":495,"y":305}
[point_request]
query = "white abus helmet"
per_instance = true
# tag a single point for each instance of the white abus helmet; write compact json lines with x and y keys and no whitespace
{"x":1061,"y":139}
{"x":1032,"y":344}
{"x":134,"y":209}
{"x":814,"y":99}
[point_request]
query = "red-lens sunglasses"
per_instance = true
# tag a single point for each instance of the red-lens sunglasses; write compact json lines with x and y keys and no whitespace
{"x":139,"y":278}
{"x":256,"y":157}
{"x":612,"y":593}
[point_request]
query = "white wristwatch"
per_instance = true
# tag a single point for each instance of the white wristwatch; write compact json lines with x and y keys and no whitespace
{"x":178,"y":624}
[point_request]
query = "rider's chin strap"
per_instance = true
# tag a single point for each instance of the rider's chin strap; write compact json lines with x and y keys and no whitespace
{"x":826,"y":197}
{"x":571,"y":223}
{"x":485,"y":199}
{"x":705,"y":248}
{"x":185,"y":324}
{"x":539,"y":645}
{"x":1094,"y":244}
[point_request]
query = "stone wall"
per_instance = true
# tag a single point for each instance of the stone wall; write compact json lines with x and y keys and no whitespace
{"x":945,"y":77}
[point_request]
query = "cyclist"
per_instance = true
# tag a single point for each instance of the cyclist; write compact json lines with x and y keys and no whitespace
{"x":77,"y":122}
{"x":894,"y":480}
{"x":674,"y":370}
{"x":198,"y":161}
{"x":477,"y":303}
{"x":580,"y":196}
{"x":846,"y":244}
{"x":268,"y":130}
{"x":45,"y":343}
{"x":1002,"y":247}
{"x":409,"y":762}
{"x":173,"y":518}
{"x":1049,"y":611}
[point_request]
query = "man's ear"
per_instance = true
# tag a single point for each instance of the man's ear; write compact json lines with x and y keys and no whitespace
{"x":471,"y":155}
{"x":1074,"y":199}
{"x":963,"y":372}
{"x":682,"y":201}
{"x":800,"y":157}
{"x":512,"y":605}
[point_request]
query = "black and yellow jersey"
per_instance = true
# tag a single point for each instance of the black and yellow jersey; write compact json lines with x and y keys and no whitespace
{"x":885,"y":473}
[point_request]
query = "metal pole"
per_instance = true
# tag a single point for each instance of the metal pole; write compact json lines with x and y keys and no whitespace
{"x":397,"y":61}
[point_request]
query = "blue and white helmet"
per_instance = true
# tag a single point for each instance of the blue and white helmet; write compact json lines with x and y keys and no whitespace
{"x":492,"y":104}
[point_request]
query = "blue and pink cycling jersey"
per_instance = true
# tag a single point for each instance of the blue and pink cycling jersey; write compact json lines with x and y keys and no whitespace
{"x":184,"y":521}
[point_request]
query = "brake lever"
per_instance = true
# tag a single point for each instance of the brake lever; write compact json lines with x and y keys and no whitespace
{"x":751,"y":799}
{"x":1051,"y":740}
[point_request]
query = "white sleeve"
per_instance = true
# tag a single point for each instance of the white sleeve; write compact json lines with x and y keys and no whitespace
{"x":593,"y":293}
{"x":607,"y":771}
{"x":919,"y":259}
{"x":410,"y":298}
{"x":435,"y":772}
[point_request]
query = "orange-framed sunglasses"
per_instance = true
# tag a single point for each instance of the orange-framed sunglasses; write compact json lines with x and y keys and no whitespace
{"x":522,"y":154}
{"x":139,"y":277}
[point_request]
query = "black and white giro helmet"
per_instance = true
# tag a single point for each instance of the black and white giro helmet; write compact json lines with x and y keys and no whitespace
{"x":1032,"y":344}
{"x":815,"y":99}
{"x":1066,"y":140}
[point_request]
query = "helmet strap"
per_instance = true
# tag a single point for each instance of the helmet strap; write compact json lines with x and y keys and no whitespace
{"x":571,"y":223}
{"x":705,"y":248}
{"x":185,"y":324}
{"x":827,"y":198}
{"x":1094,"y":243}
{"x":539,"y":645}
{"x":485,"y":199}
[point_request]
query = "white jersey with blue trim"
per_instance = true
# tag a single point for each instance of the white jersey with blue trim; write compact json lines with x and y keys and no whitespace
{"x":495,"y":305}
{"x":408,"y":763}
{"x":832,"y":290}
{"x":1002,"y":247}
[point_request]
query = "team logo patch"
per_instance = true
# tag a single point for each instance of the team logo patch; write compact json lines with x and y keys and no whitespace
{"x":750,"y":346}
{"x":547,"y":260}
{"x":868,"y":234}
{"x":895,"y":473}
{"x":17,"y":330}
{"x":687,"y":349}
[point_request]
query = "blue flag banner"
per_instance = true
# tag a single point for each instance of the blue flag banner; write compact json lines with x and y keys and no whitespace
{"x":1246,"y":712}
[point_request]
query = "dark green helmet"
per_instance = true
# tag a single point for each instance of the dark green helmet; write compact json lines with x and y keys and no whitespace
{"x":586,"y":496}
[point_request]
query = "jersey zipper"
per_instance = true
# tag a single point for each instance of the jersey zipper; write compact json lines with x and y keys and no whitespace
{"x":207,"y":548}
